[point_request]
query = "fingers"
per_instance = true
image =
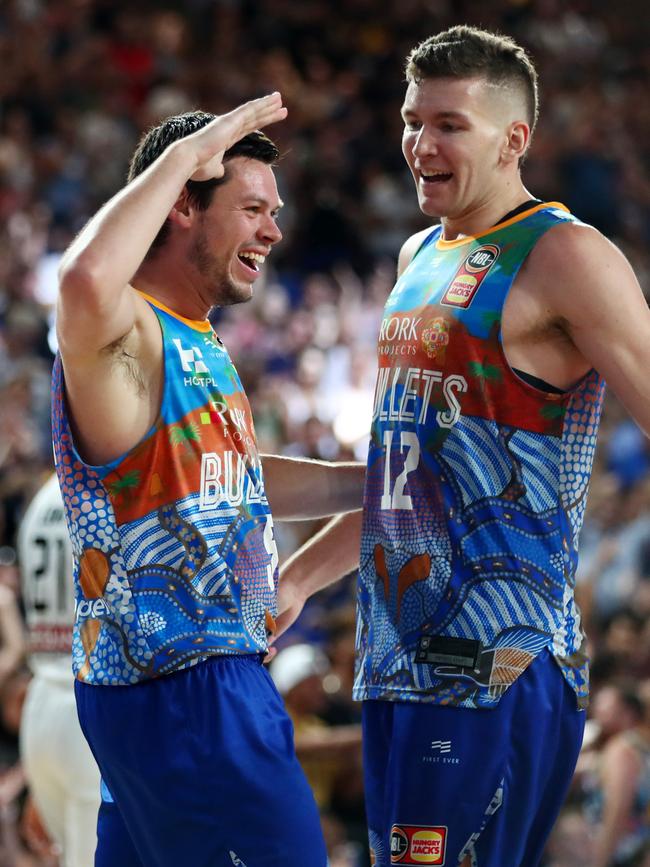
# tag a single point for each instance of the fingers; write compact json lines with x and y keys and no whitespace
{"x":258,"y":113}
{"x":222,"y":133}
{"x":252,"y":115}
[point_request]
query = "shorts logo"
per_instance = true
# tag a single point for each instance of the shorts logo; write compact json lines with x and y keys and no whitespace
{"x":418,"y":844}
{"x":470,"y":275}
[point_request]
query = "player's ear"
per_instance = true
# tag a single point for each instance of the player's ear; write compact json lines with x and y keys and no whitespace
{"x":516,"y":141}
{"x":182,"y":212}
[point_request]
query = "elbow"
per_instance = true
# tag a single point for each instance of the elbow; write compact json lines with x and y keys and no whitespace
{"x":80,"y":278}
{"x":77,"y":273}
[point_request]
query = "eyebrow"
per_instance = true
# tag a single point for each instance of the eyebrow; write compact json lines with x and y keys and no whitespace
{"x":439,"y":115}
{"x":260,"y":201}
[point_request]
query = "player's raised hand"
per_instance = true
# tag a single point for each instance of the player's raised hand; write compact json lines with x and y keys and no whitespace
{"x":221,"y":133}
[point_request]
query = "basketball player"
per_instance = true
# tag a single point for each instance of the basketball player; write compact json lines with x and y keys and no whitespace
{"x":62,"y":774}
{"x":169,"y":512}
{"x":504,"y":322}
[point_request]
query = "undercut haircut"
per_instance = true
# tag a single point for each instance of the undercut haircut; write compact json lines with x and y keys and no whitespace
{"x":467,"y":52}
{"x":255,"y":146}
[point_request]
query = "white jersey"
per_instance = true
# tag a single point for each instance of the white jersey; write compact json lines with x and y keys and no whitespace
{"x":45,"y":556}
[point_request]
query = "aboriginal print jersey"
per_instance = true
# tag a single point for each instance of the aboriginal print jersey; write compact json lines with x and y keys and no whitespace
{"x":475,"y":489}
{"x":175,"y":558}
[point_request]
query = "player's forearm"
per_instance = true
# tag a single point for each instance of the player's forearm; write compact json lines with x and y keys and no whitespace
{"x":298,"y":488}
{"x":325,"y":558}
{"x":106,"y":254}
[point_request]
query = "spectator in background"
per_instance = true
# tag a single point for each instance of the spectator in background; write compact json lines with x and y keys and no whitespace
{"x":609,"y":573}
{"x":618,"y":786}
{"x":299,"y":671}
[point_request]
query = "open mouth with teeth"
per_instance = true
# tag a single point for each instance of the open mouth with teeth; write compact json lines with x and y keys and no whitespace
{"x":435,"y":177}
{"x":251,"y":260}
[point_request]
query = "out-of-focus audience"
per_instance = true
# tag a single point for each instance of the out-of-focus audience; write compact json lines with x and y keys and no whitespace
{"x":80,"y":81}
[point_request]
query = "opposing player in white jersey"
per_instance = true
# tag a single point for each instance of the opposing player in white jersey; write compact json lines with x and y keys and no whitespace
{"x":62,"y":774}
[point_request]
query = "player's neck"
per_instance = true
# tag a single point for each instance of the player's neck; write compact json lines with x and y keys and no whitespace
{"x":172,"y":286}
{"x":479,"y":218}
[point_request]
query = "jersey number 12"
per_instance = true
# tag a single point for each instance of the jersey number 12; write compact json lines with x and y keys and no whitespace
{"x":398,"y":499}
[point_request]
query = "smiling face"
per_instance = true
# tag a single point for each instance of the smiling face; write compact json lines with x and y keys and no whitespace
{"x":458,"y":142}
{"x":236,"y":232}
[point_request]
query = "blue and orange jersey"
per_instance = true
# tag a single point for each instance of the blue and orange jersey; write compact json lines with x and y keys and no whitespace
{"x":175,"y":557}
{"x":475,"y":489}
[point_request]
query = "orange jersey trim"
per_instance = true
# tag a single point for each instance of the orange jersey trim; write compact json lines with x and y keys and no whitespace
{"x":441,"y":244}
{"x":196,"y":324}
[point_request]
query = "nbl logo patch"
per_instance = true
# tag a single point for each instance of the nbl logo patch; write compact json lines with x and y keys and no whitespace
{"x":418,"y":844}
{"x":470,"y":275}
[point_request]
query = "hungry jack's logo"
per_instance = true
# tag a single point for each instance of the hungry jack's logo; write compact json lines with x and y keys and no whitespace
{"x":418,"y":844}
{"x":470,"y":275}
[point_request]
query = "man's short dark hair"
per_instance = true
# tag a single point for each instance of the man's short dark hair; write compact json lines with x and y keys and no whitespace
{"x":465,"y":52}
{"x":255,"y":146}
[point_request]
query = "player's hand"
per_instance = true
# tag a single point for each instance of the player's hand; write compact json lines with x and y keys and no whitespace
{"x":220,"y":134}
{"x":290,"y":604}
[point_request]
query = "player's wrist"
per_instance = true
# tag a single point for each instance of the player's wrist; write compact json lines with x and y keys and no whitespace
{"x":289,"y":583}
{"x":184,"y":155}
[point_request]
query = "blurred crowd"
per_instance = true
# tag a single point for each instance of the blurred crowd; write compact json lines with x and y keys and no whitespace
{"x":81,"y":80}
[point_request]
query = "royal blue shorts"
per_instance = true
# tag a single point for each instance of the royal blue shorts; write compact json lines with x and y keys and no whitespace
{"x":202,"y":771}
{"x":445,"y":783}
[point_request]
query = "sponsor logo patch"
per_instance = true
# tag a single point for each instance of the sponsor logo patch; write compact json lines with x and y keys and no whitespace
{"x":470,"y":275}
{"x":418,"y":844}
{"x":435,"y":338}
{"x":191,"y":359}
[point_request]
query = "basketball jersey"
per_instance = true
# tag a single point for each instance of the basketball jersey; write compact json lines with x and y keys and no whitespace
{"x":175,"y":557}
{"x":475,"y":489}
{"x":45,"y":558}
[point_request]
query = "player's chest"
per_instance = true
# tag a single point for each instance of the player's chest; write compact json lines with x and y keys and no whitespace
{"x":444,"y":299}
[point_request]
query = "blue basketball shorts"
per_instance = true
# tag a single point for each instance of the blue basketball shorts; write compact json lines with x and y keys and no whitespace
{"x":200,"y":769}
{"x":445,"y":783}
